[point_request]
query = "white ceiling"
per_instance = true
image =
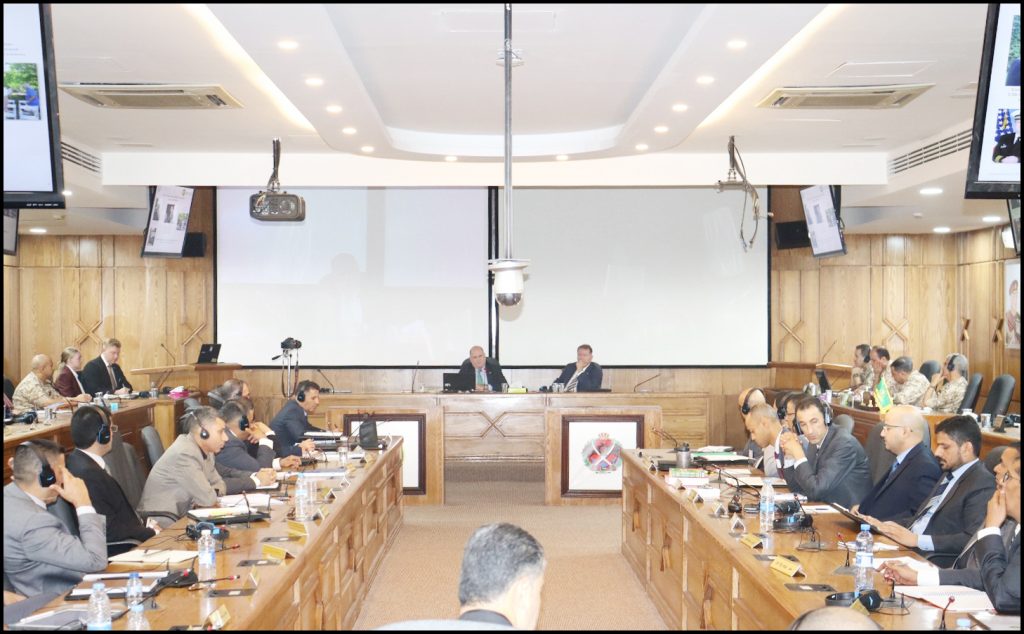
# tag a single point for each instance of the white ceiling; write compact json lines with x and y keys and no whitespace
{"x":419,"y":82}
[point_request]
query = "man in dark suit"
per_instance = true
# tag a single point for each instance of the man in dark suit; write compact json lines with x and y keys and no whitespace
{"x":584,"y":375}
{"x":103,"y":374}
{"x":834,"y":467}
{"x":1007,"y":149}
{"x":991,"y":562}
{"x":913,"y":474}
{"x":240,"y":452}
{"x":292,"y":422}
{"x":955,"y":506}
{"x":92,"y":433}
{"x":480,"y":373}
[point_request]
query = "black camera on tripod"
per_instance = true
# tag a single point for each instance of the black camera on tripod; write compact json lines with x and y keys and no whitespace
{"x":291,"y":344}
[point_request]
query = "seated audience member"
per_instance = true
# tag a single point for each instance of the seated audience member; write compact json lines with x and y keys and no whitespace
{"x":480,"y":371}
{"x":835,"y":619}
{"x":991,"y":560}
{"x":746,"y":400}
{"x":93,"y":435}
{"x":834,"y":468}
{"x":956,"y":505}
{"x":584,"y":375}
{"x":909,"y":384}
{"x":765,"y":430}
{"x":103,"y":374}
{"x":292,"y":422}
{"x":863,"y":374}
{"x":880,"y":367}
{"x":912,"y":476}
{"x":35,"y":391}
{"x":785,"y":406}
{"x":227,"y":391}
{"x":40,"y":554}
{"x":65,"y":378}
{"x":239,"y":451}
{"x":186,"y":474}
{"x":948,"y":387}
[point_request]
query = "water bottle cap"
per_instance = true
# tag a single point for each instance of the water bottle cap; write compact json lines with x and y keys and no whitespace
{"x":138,"y":607}
{"x":98,"y":586}
{"x":865,"y":527}
{"x":206,"y":531}
{"x":133,"y":575}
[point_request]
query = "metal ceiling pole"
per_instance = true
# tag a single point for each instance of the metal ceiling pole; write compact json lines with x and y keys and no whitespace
{"x":508,"y":131}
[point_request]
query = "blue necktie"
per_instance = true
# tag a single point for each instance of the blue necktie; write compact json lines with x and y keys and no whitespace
{"x":933,"y":501}
{"x":892,"y":472}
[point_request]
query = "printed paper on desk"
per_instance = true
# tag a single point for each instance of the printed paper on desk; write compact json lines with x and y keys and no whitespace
{"x":115,"y":587}
{"x":715,"y":449}
{"x":967,"y":599}
{"x":153,"y":556}
{"x":256,"y":501}
{"x":708,"y":493}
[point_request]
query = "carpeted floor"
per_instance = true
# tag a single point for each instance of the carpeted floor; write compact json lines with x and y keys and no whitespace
{"x":588,"y":584}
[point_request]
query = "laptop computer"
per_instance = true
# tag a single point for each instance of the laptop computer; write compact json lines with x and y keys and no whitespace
{"x":209,"y":353}
{"x":823,"y":381}
{"x":452,"y":383}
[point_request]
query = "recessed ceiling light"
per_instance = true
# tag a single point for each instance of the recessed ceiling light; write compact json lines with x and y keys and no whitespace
{"x":67,"y":192}
{"x":737,"y":45}
{"x":641,"y":147}
{"x":917,"y":214}
{"x":991,"y":218}
{"x":451,"y":159}
{"x":661,"y":129}
{"x":315,"y":82}
{"x":941,"y":229}
{"x":704,"y":80}
{"x":680,"y":107}
{"x":348,"y":131}
{"x":562,"y":157}
{"x":37,"y":230}
{"x":367,"y":149}
{"x":287,"y":45}
{"x":931,"y":191}
{"x":334,"y":108}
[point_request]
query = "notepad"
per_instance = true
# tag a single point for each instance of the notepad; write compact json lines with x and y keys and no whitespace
{"x":967,"y":599}
{"x":153,"y":556}
{"x":256,"y":501}
{"x":114,"y":587}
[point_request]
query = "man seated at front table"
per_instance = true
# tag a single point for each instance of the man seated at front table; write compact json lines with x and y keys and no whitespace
{"x":862,"y":375}
{"x":880,"y":368}
{"x":955,"y":506}
{"x":292,"y":422}
{"x":765,"y":430}
{"x":909,"y":384}
{"x":584,"y":375}
{"x":914,"y":473}
{"x":834,"y":468}
{"x":36,"y":391}
{"x":991,"y":560}
{"x":948,"y":387}
{"x":240,"y":452}
{"x":103,"y":374}
{"x":40,"y":554}
{"x":480,"y":371}
{"x":746,"y":401}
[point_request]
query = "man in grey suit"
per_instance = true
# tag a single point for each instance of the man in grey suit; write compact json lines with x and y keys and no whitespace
{"x":40,"y":554}
{"x":955,"y":508}
{"x":991,"y":560}
{"x":834,"y":468}
{"x":247,"y":447}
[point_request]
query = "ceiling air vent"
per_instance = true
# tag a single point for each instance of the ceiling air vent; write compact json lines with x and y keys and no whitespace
{"x":844,"y":97}
{"x":933,"y":151}
{"x":80,"y":157}
{"x":159,"y":96}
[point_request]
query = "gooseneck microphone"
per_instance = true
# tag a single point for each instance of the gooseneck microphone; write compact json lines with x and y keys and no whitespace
{"x":646,"y":380}
{"x":412,"y":388}
{"x":173,"y":358}
{"x":326,"y":379}
{"x":942,"y":617}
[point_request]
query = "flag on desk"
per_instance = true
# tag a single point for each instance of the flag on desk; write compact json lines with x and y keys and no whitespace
{"x":882,"y":397}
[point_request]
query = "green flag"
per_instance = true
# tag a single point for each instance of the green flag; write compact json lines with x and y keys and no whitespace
{"x":882,"y":397}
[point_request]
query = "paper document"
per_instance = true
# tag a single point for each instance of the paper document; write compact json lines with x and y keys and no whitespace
{"x":995,"y":621}
{"x":877,"y":548}
{"x":257,"y":501}
{"x":818,"y":509}
{"x":324,"y":434}
{"x":967,"y":599}
{"x":115,"y":588}
{"x":714,"y":456}
{"x":153,"y":556}
{"x":716,"y":448}
{"x":759,"y":481}
{"x":158,"y":574}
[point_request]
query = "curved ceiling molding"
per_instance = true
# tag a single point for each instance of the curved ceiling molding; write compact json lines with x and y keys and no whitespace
{"x":491,"y":146}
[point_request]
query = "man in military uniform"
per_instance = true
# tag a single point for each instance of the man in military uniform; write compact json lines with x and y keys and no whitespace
{"x":948,"y":387}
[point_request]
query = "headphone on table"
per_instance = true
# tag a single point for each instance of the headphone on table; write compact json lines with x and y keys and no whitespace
{"x":195,"y":531}
{"x":47,"y":477}
{"x":745,"y":408}
{"x":869,"y":599}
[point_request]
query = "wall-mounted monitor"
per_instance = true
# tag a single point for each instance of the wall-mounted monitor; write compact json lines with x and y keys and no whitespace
{"x":11,"y":231}
{"x":33,"y":172}
{"x":169,"y":209}
{"x":993,"y":170}
{"x":1013,"y":208}
{"x":824,"y":226}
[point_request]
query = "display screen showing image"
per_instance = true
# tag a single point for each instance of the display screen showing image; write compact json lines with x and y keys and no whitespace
{"x":168,"y":222}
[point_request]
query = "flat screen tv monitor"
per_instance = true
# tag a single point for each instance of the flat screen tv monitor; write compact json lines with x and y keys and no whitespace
{"x":1013,"y":208}
{"x":11,"y":231}
{"x":993,"y":169}
{"x":169,"y":209}
{"x":33,"y":172}
{"x":824,"y":226}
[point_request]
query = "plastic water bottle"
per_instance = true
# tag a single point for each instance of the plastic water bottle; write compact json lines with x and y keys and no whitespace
{"x":963,"y":624}
{"x":767,"y":507}
{"x":207,"y":556}
{"x":98,"y":617}
{"x":301,"y":498}
{"x":343,"y":452}
{"x":133,"y":590}
{"x":137,"y":618}
{"x":865,"y":579}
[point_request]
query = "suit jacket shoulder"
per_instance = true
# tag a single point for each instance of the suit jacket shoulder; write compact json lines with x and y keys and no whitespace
{"x":66,"y":385}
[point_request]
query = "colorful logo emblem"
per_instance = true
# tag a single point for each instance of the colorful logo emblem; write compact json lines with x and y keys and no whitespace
{"x":602,"y":454}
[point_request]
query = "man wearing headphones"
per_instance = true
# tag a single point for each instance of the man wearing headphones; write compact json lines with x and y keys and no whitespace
{"x":948,"y":387}
{"x":880,"y":367}
{"x":834,"y":468}
{"x":40,"y":554}
{"x":292,"y":422}
{"x":910,"y":385}
{"x":863,"y":374}
{"x":93,"y":435}
{"x":765,"y":430}
{"x":746,"y":401}
{"x":239,"y":451}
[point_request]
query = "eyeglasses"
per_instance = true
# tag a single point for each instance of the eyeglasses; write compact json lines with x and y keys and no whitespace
{"x":888,"y":426}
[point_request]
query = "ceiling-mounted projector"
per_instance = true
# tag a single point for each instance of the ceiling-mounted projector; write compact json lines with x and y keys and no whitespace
{"x":275,"y":204}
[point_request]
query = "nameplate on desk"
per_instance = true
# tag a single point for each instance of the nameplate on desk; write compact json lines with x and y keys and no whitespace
{"x":787,"y":567}
{"x":218,"y":618}
{"x":751,"y":540}
{"x":737,"y":524}
{"x":328,"y":494}
{"x":321,"y":512}
{"x":694,"y":495}
{"x":719,"y":511}
{"x":229,"y":593}
{"x":297,"y":528}
{"x":276,"y":552}
{"x":254,"y":577}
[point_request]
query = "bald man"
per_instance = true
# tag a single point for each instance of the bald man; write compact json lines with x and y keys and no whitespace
{"x":834,"y":618}
{"x":480,"y":373}
{"x":36,"y":391}
{"x":914,"y":473}
{"x":747,"y":399}
{"x":765,"y":431}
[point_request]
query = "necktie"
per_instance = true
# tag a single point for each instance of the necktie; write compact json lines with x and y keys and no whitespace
{"x":480,"y":380}
{"x":113,"y":381}
{"x":571,"y":386}
{"x":892,"y":472}
{"x":940,"y":488}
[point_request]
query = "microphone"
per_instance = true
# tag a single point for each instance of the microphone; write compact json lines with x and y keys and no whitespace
{"x":646,"y":380}
{"x":828,"y":351}
{"x":412,"y":388}
{"x":326,"y":379}
{"x":942,"y":618}
{"x":173,"y":358}
{"x":839,"y":537}
{"x":667,"y":436}
{"x":248,"y":510}
{"x":275,"y":358}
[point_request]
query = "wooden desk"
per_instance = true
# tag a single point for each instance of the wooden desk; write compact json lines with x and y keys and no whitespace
{"x":203,"y":376}
{"x":323,"y":587}
{"x":699,"y":576}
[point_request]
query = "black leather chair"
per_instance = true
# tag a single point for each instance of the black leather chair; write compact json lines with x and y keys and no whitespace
{"x":929,"y":368}
{"x":192,"y":403}
{"x":999,"y":396}
{"x":972,"y":392}
{"x":844,"y":422}
{"x":154,"y":446}
{"x":8,"y":388}
{"x":123,"y":463}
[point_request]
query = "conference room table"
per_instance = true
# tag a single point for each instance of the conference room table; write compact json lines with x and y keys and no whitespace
{"x":322,"y":581}
{"x":700,"y":575}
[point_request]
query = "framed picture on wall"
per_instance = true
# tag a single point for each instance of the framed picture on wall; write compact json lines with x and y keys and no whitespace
{"x":1011,"y":303}
{"x":592,"y":449}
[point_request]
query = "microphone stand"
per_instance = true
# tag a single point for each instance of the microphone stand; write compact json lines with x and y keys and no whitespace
{"x":321,"y":373}
{"x":942,"y":618}
{"x":646,"y":381}
{"x":846,"y":569}
{"x":248,"y":510}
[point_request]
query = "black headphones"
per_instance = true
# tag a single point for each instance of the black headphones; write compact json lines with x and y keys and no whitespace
{"x":745,"y":408}
{"x":205,"y":435}
{"x":783,"y":402}
{"x":949,"y":362}
{"x":195,"y":531}
{"x":301,"y":396}
{"x":103,"y":434}
{"x":47,"y":477}
{"x":243,"y":423}
{"x":869,"y":599}
{"x":867,"y":354}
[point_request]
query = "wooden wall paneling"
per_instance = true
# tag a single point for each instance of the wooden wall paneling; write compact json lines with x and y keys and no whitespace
{"x":977,"y":287}
{"x":69,"y":251}
{"x":40,"y":306}
{"x":107,"y":251}
{"x":890,"y":323}
{"x":932,"y":305}
{"x":39,"y":251}
{"x":844,"y":298}
{"x":89,"y":251}
{"x":12,"y":319}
